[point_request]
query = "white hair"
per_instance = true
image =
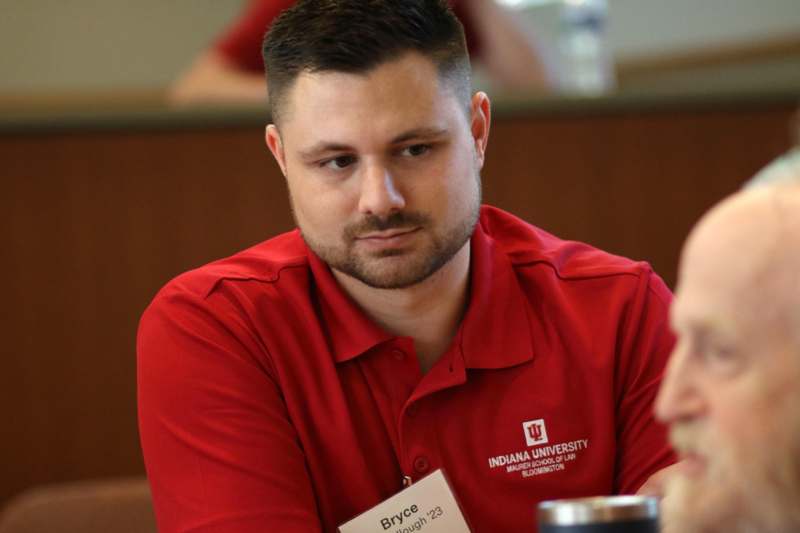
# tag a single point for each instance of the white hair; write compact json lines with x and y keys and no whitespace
{"x":783,"y":171}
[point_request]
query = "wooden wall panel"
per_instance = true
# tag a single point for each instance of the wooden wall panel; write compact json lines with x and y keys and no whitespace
{"x":92,"y":224}
{"x":632,"y":184}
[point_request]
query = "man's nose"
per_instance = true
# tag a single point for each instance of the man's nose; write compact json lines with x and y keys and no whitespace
{"x":380,"y":194}
{"x":680,"y":396}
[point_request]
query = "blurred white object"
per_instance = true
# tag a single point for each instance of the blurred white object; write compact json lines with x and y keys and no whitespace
{"x":587,"y":65}
{"x":785,"y":169}
{"x":521,"y":4}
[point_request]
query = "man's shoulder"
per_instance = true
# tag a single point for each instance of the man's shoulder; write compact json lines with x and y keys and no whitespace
{"x":263,"y":263}
{"x":528,"y":246}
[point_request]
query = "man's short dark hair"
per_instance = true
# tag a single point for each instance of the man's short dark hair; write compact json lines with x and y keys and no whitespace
{"x":355,"y":36}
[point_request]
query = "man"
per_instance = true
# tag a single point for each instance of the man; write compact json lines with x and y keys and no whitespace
{"x":732,"y":391}
{"x":404,"y":328}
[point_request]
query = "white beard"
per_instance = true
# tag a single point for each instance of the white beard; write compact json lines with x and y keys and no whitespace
{"x":749,"y":485}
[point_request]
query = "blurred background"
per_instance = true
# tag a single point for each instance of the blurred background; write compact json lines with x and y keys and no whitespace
{"x":110,"y":187}
{"x":94,"y":45}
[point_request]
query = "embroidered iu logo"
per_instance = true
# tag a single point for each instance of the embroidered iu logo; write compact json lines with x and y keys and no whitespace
{"x":535,"y":432}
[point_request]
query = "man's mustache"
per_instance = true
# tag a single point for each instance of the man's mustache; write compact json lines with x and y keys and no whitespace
{"x":372,"y":223}
{"x":685,"y":437}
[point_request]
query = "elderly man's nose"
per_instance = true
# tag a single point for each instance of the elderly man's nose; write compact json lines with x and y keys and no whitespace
{"x":679,"y":397}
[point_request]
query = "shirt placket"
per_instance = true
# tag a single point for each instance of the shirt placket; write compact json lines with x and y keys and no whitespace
{"x":419,"y":450}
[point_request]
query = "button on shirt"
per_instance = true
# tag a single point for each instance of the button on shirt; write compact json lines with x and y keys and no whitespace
{"x":268,"y":401}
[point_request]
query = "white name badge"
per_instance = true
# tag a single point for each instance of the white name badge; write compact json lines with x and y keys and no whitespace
{"x":427,"y":506}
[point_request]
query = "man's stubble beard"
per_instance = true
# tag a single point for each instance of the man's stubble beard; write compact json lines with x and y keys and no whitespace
{"x":748,"y":487}
{"x":436,"y":252}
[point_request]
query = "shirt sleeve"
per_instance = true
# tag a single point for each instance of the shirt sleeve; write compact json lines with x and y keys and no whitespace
{"x":241,"y":42}
{"x":220,"y":451}
{"x":646,"y":342}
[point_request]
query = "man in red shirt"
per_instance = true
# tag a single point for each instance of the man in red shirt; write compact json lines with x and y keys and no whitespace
{"x":403,"y":328}
{"x":232,"y":70}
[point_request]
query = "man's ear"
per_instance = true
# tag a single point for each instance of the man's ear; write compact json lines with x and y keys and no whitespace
{"x":275,"y":145}
{"x":481,"y":117}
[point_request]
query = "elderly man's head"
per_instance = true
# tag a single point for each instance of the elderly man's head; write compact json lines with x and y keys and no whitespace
{"x":732,"y":391}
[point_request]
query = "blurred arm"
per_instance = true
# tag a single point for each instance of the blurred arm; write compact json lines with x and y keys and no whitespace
{"x":511,"y":57}
{"x":656,"y":483}
{"x":222,"y":455}
{"x":231,"y":70}
{"x":212,"y":78}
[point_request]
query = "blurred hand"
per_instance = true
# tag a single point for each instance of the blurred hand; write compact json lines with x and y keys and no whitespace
{"x":654,"y":486}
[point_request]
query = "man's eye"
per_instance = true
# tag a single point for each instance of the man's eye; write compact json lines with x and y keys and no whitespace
{"x":338,"y":163}
{"x":416,"y":150}
{"x":722,"y":359}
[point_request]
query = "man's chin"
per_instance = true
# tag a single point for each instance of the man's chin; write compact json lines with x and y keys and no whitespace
{"x":699,"y":503}
{"x":389,"y":271}
{"x":691,"y":504}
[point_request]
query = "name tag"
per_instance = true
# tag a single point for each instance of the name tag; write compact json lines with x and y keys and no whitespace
{"x":427,"y":506}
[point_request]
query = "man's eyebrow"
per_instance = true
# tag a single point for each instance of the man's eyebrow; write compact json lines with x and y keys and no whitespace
{"x":324,"y":147}
{"x":420,"y":133}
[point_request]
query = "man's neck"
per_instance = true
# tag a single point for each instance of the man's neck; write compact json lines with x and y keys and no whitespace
{"x":429,"y":312}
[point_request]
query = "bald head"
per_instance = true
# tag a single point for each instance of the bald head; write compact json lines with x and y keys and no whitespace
{"x":744,"y":255}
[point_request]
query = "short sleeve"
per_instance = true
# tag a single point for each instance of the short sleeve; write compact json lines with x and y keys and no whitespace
{"x":645,"y":344}
{"x":220,"y":451}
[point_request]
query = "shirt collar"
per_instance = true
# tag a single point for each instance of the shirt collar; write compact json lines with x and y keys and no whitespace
{"x":351,"y":332}
{"x":495,"y":331}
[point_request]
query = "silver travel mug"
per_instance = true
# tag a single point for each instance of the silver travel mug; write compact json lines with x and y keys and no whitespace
{"x":602,"y":514}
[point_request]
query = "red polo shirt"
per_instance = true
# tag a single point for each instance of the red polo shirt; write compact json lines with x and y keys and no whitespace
{"x":269,"y":402}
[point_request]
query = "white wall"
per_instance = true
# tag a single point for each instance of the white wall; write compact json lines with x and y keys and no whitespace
{"x":650,"y":27}
{"x":103,"y":44}
{"x":641,"y":28}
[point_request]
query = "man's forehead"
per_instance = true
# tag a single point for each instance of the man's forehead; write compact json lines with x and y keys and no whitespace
{"x":410,"y":80}
{"x":396,"y":97}
{"x":724,"y":256}
{"x":739,"y":235}
{"x":734,"y":263}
